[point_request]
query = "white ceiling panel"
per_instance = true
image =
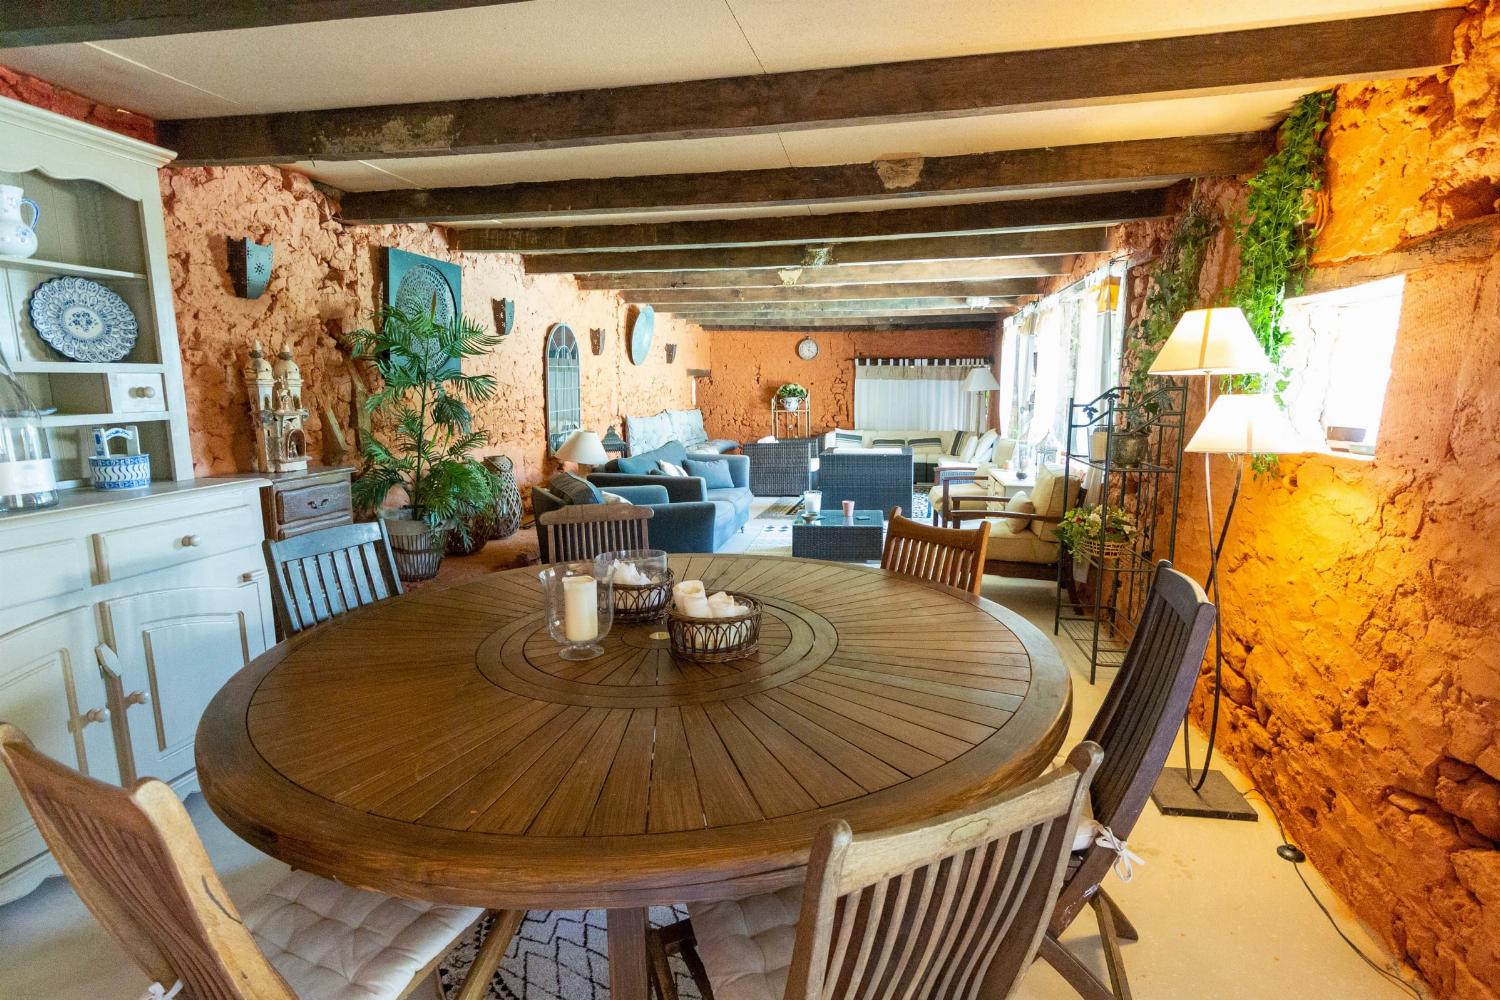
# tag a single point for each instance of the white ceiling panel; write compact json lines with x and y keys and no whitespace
{"x":551,"y":45}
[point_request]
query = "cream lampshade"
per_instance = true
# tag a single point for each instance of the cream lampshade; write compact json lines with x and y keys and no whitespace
{"x":1212,"y":342}
{"x":1246,"y":424}
{"x":583,"y":448}
{"x":980,"y":380}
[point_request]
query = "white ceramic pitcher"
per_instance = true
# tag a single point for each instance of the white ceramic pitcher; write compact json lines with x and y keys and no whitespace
{"x":17,"y":236}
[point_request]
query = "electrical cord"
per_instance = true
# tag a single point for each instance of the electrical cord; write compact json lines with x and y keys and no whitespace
{"x":1293,"y":853}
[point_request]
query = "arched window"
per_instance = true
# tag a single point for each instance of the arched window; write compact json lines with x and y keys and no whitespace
{"x":564,"y":386}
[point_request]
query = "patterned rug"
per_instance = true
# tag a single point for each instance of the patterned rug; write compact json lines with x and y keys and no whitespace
{"x":556,"y":955}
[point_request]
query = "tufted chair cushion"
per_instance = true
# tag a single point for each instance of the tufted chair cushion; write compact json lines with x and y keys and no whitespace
{"x":746,"y":944}
{"x":332,"y":942}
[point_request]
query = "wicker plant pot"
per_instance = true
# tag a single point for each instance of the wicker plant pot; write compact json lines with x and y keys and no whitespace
{"x":716,"y":640}
{"x":643,"y":602}
{"x":1096,"y":548}
{"x":417,"y":548}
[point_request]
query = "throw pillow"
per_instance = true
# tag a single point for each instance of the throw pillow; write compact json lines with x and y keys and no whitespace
{"x":847,"y":439}
{"x":715,"y":475}
{"x":635,"y":466}
{"x":1018,"y":504}
{"x":926,"y":444}
{"x":669,"y":469}
{"x":985,"y":450}
{"x":613,"y":497}
{"x":960,"y":441}
{"x":574,"y":489}
{"x":890,"y":443}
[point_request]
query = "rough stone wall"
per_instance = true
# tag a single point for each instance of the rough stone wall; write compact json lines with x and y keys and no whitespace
{"x":750,"y":365}
{"x":1412,"y":157}
{"x":29,"y":90}
{"x":327,"y":279}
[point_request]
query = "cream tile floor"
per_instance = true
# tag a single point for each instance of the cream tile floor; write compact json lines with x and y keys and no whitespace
{"x":1220,"y":915}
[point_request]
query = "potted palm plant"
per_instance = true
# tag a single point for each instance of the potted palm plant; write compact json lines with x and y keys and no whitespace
{"x":425,"y":403}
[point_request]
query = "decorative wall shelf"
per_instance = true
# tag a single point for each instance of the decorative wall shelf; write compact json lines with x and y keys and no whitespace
{"x":59,"y":267}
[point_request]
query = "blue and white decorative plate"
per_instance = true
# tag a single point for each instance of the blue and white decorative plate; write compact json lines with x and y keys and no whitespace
{"x":83,"y":320}
{"x":423,"y":289}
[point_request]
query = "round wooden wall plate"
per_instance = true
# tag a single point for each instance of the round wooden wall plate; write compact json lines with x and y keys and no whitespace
{"x":642,"y":328}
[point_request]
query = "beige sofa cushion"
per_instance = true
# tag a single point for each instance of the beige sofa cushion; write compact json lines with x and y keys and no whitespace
{"x":1052,"y":495}
{"x":1026,"y":547}
{"x":1018,"y":504}
{"x":746,"y":944}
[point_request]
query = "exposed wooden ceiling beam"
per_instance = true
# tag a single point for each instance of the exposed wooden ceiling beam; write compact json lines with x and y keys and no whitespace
{"x":1050,"y":169}
{"x":814,"y":255}
{"x":992,"y":83}
{"x":848,"y":307}
{"x":1089,"y":210}
{"x":1002,"y":288}
{"x":916,"y":324}
{"x":53,"y":22}
{"x":983,"y":269}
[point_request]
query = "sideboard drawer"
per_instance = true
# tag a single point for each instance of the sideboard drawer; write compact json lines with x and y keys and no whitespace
{"x":45,"y":569}
{"x":311,"y":502}
{"x":173,"y":541}
{"x":132,"y":392}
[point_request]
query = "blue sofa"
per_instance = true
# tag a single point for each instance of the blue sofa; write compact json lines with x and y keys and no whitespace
{"x":731,"y":504}
{"x":674,"y":527}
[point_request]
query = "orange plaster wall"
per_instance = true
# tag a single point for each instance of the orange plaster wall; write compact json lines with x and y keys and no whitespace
{"x":29,"y":90}
{"x":750,"y":365}
{"x":1361,"y":600}
{"x":328,"y":277}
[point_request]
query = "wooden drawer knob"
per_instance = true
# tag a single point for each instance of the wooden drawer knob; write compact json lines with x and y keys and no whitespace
{"x":191,"y":541}
{"x":143,"y":392}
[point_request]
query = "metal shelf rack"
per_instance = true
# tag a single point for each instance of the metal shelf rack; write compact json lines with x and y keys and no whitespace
{"x":1115,"y":591}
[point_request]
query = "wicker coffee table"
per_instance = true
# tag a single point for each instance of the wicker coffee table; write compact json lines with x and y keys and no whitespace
{"x":833,"y":536}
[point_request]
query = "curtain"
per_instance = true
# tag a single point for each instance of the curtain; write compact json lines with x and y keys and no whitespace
{"x":913,"y":397}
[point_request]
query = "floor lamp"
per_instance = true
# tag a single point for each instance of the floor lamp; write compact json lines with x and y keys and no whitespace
{"x":1212,"y":343}
{"x":981,"y":380}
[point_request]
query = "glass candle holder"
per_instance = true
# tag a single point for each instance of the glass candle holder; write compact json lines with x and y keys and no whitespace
{"x":812,"y":503}
{"x":580,"y":605}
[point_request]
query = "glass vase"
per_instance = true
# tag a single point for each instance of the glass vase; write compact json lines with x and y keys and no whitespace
{"x":580,"y":605}
{"x":27,"y":479}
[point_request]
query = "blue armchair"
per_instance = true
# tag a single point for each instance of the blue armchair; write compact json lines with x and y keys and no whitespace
{"x":731,"y":503}
{"x":674,"y":527}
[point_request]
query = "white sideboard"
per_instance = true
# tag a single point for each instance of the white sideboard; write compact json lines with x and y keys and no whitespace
{"x":120,"y":617}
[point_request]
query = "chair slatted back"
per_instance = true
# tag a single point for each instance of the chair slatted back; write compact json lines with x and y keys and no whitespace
{"x":136,"y":861}
{"x":1138,"y":720}
{"x":950,"y":908}
{"x":327,"y":573}
{"x":954,"y":556}
{"x":582,"y":531}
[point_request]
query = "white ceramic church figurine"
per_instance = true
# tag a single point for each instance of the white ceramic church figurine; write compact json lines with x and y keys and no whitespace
{"x":276,"y":411}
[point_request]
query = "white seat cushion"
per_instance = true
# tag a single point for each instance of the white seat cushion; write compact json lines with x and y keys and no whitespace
{"x":332,"y":942}
{"x":746,"y":944}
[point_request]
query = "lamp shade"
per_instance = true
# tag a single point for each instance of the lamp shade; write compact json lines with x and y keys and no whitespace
{"x":980,"y":380}
{"x":1212,"y":342}
{"x":584,"y":448}
{"x":1246,"y":424}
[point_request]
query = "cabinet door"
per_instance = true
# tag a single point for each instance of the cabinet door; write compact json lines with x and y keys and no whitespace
{"x":50,"y":687}
{"x":175,"y":649}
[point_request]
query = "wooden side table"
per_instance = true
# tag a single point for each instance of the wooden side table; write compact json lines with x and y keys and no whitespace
{"x":298,"y":502}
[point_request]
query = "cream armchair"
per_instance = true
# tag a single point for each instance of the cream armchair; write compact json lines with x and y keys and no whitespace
{"x":1023,"y":528}
{"x":966,"y":473}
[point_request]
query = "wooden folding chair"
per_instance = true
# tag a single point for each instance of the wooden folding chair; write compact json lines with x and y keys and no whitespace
{"x":952,"y":556}
{"x":137,"y":863}
{"x":1136,"y":726}
{"x":582,"y":531}
{"x":327,"y":573}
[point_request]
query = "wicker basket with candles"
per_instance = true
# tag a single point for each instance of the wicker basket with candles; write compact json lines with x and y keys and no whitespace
{"x":712,"y":629}
{"x":642,"y":585}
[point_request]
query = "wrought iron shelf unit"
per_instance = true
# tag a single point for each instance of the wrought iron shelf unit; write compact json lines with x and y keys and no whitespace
{"x":1102,"y":622}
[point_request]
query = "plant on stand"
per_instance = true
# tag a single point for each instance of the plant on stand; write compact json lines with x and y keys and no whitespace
{"x":791,"y":395}
{"x":1102,"y":531}
{"x":425,"y":401}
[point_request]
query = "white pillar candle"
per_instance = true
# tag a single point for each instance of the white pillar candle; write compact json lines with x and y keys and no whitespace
{"x":695,"y":607}
{"x":685,"y":591}
{"x":580,"y":608}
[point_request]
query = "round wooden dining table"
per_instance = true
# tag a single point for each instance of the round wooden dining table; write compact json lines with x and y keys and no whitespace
{"x":436,"y":746}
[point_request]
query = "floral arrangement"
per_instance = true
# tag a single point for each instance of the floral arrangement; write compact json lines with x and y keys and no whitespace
{"x":1094,"y":527}
{"x":791,"y":391}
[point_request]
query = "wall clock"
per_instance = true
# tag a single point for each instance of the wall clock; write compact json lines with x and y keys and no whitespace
{"x":807,"y":348}
{"x":642,"y":328}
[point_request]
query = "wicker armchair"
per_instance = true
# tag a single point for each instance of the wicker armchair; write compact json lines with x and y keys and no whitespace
{"x":874,"y":480}
{"x":784,"y":468}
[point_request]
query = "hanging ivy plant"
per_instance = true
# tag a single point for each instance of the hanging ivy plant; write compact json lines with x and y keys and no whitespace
{"x":1173,"y":291}
{"x":1272,"y":235}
